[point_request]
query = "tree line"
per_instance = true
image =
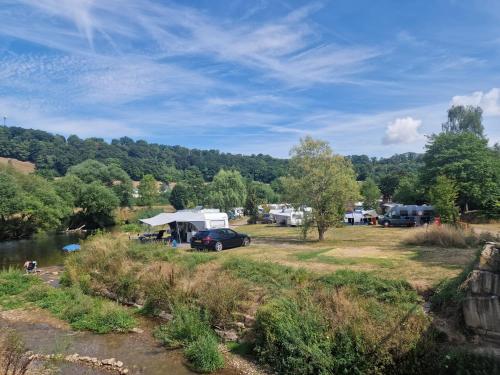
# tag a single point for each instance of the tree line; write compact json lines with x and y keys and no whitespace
{"x":458,"y":172}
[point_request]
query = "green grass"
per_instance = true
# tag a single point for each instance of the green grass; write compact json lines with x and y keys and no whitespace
{"x":81,"y":311}
{"x":190,"y":329}
{"x":319,"y":257}
{"x":267,"y":274}
{"x":70,"y":304}
{"x":204,"y":355}
{"x":369,"y":285}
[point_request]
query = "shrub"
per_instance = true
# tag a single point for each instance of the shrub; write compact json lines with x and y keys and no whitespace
{"x":204,"y":354}
{"x":14,"y":357}
{"x":443,"y":236}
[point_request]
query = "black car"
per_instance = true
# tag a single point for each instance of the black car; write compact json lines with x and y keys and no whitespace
{"x":218,"y":239}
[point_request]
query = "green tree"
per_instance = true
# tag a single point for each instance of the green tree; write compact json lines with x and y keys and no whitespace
{"x":466,"y":159}
{"x":97,"y":203}
{"x":388,"y":184}
{"x":464,"y":119}
{"x":371,"y":194}
{"x":252,"y":203}
{"x":112,"y":176}
{"x":443,"y":196}
{"x":321,"y":180}
{"x":68,"y":188}
{"x":409,"y":190}
{"x":148,"y":191}
{"x":179,"y":197}
{"x":28,"y":204}
{"x":227,"y":190}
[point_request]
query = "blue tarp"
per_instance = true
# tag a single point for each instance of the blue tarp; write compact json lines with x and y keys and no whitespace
{"x":71,"y":247}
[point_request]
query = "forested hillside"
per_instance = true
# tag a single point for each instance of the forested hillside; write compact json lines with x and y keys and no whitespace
{"x":54,"y":154}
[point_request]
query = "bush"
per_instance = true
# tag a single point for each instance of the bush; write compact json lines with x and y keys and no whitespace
{"x":204,"y":354}
{"x":443,"y":236}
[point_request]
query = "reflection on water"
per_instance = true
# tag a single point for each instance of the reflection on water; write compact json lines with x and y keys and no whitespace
{"x":46,"y":249}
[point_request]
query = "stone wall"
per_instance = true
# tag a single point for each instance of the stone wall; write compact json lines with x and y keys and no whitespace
{"x":481,"y":306}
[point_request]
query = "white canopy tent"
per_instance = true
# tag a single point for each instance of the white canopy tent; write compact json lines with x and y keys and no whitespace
{"x":185,"y":222}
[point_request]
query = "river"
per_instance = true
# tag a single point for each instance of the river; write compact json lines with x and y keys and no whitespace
{"x":46,"y":249}
{"x":139,"y":352}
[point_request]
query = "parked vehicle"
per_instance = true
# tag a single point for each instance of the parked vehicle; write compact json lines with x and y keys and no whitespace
{"x":267,"y":219}
{"x":219,"y":239}
{"x":407,"y":216}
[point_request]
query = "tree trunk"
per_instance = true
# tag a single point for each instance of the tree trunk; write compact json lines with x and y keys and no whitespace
{"x":321,"y":233}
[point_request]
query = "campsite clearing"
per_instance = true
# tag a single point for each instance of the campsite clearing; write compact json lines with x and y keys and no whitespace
{"x":360,"y":248}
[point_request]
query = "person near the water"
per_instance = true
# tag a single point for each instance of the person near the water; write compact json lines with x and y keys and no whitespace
{"x":30,"y":266}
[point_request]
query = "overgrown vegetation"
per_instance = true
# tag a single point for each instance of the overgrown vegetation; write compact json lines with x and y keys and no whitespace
{"x":81,"y":311}
{"x":190,"y":329}
{"x":14,"y":357}
{"x":449,"y":236}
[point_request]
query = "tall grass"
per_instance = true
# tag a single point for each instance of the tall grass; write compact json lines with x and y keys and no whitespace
{"x":81,"y":311}
{"x":446,"y":236}
{"x":190,"y":329}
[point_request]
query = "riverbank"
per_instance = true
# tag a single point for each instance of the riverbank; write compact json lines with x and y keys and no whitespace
{"x":277,"y":299}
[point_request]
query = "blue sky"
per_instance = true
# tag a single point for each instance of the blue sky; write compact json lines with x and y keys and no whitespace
{"x":248,"y":77}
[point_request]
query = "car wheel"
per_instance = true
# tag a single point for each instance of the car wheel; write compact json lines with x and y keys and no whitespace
{"x":386,"y":224}
{"x":246,"y":242}
{"x":218,"y":246}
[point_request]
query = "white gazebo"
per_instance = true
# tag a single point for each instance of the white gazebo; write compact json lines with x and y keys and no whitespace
{"x":187,"y":222}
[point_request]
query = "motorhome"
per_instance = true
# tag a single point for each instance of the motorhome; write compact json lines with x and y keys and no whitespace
{"x":407,"y":216}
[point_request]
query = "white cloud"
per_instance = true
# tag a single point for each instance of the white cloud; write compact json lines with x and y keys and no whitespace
{"x":403,"y":130}
{"x":488,"y":101}
{"x":289,"y":48}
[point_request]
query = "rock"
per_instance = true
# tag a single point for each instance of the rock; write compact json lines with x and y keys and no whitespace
{"x":109,"y":362}
{"x":119,"y":364}
{"x":481,"y":306}
{"x":240,"y":325}
{"x":229,"y":335}
{"x":55,"y":273}
{"x":137,"y":330}
{"x":165,"y":315}
{"x":249,"y":320}
{"x":124,"y":371}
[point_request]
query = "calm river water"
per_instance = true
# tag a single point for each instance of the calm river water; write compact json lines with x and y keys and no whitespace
{"x":46,"y":249}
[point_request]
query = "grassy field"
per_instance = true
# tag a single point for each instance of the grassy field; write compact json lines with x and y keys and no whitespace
{"x":20,"y":166}
{"x":360,"y":248}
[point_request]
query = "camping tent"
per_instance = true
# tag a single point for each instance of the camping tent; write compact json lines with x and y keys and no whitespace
{"x":185,"y":222}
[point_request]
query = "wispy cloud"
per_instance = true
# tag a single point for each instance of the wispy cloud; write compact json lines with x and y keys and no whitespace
{"x":488,"y":101}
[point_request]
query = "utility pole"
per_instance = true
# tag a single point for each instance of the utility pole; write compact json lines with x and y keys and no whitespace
{"x":4,"y":118}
